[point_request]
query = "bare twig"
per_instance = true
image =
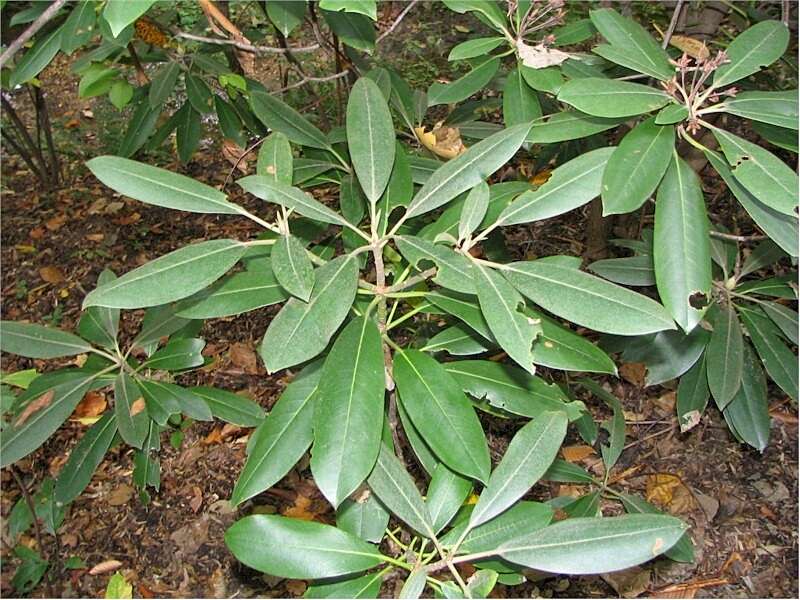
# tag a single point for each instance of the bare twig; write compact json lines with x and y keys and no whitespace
{"x":736,"y":238}
{"x":672,"y":24}
{"x":14,"y":47}
{"x":141,"y":76}
{"x":308,"y":79}
{"x":240,"y":159}
{"x":36,"y":530}
{"x":399,"y":18}
{"x":246,"y":47}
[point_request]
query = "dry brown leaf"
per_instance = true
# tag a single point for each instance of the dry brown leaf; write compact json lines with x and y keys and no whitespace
{"x":442,"y":141}
{"x":129,"y":220}
{"x":633,"y":373}
{"x":688,"y":589}
{"x":296,"y":587}
{"x":105,"y":567}
{"x":629,"y":583}
{"x":215,"y":437}
{"x":235,"y":155}
{"x":72,"y":124}
{"x":56,"y":222}
{"x":244,"y":357}
{"x":137,"y":406}
{"x":302,"y":509}
{"x":541,"y":177}
{"x":668,"y":491}
{"x":90,"y":407}
{"x":37,"y":233}
{"x":95,"y":237}
{"x":51,"y":274}
{"x":576,"y":453}
{"x":120,"y":495}
{"x":666,"y":403}
{"x":35,"y":405}
{"x":697,"y":49}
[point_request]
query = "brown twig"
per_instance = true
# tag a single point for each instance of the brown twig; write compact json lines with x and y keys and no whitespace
{"x":736,"y":238}
{"x":399,"y":18}
{"x":672,"y":24}
{"x":240,"y":159}
{"x":247,"y":47}
{"x":14,"y":47}
{"x":141,"y":76}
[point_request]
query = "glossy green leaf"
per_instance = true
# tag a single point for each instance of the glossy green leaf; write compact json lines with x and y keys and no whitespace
{"x":681,"y":245}
{"x":79,"y":27}
{"x":474,"y":48}
{"x":178,"y":354}
{"x":559,"y":348}
{"x":547,"y":80}
{"x":414,"y":585}
{"x":587,"y":300}
{"x":762,"y":173}
{"x":454,"y":270}
{"x":463,"y":87}
{"x":683,"y":550}
{"x":584,"y":546}
{"x":229,"y":407}
{"x":672,"y":113}
{"x":629,"y":270}
{"x":163,"y":83}
{"x":170,"y":277}
{"x":756,"y":47}
{"x":569,"y":125}
{"x":570,"y":185}
{"x":189,"y":131}
{"x":38,"y":341}
{"x":297,"y":549}
{"x":161,"y":399}
{"x":520,"y":102}
{"x":488,"y":9}
{"x":785,"y":318}
{"x":474,"y":209}
{"x":611,"y":98}
{"x":130,"y":410}
{"x":366,"y":586}
{"x":301,"y":330}
{"x":365,"y":517}
{"x":370,"y":137}
{"x":667,"y":354}
{"x":562,"y":471}
{"x":763,"y":255}
{"x":279,"y":116}
{"x":349,"y":411}
{"x":779,"y":361}
{"x":354,"y":30}
{"x":141,"y":125}
{"x":121,"y":13}
{"x":447,"y":491}
{"x":776,"y":108}
{"x":286,"y":15}
{"x":422,"y":451}
{"x":748,"y":410}
{"x":282,"y":439}
{"x":527,"y":458}
{"x":521,"y":519}
{"x":290,"y":197}
{"x":275,"y":159}
{"x":292,"y":267}
{"x":233,"y":295}
{"x":458,"y":340}
{"x":775,"y":287}
{"x":36,"y":58}
{"x":778,"y":136}
{"x":394,"y":486}
{"x":468,"y":169}
{"x":636,"y":167}
{"x":159,"y":186}
{"x":441,"y":413}
{"x":615,"y":425}
{"x":511,"y":389}
{"x":463,"y":307}
{"x":198,"y":94}
{"x":724,"y":356}
{"x":120,"y":94}
{"x":84,"y":459}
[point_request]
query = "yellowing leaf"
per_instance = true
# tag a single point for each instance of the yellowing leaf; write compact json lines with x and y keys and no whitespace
{"x":118,"y":587}
{"x":694,"y":48}
{"x":668,"y":491}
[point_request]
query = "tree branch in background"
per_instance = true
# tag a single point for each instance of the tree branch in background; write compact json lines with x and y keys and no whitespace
{"x":671,"y":29}
{"x":141,"y":76}
{"x":399,"y":18}
{"x":14,"y":47}
{"x":245,"y":46}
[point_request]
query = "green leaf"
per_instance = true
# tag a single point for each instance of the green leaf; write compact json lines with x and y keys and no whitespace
{"x":275,"y":159}
{"x":574,"y":32}
{"x":393,"y":485}
{"x":521,"y":519}
{"x":96,"y":81}
{"x":499,"y":303}
{"x":784,"y":317}
{"x":520,"y":102}
{"x":748,"y":411}
{"x":87,"y":455}
{"x":159,"y":186}
{"x":783,"y":230}
{"x":36,"y":59}
{"x":615,"y":426}
{"x":198,"y":94}
{"x":667,"y":354}
{"x":121,"y":13}
{"x":463,"y":87}
{"x":463,"y":307}
{"x":560,"y":348}
{"x":569,"y":125}
{"x":762,"y":173}
{"x":163,"y":83}
{"x":547,"y":80}
{"x":349,"y":411}
{"x":38,"y":341}
{"x":756,"y":47}
{"x":120,"y":94}
{"x":370,"y":137}
{"x":583,"y":546}
{"x":231,"y":408}
{"x":488,"y":9}
{"x":159,"y":321}
{"x":292,"y":267}
{"x":161,"y":399}
{"x":571,"y":185}
{"x":511,"y":389}
{"x":441,"y":413}
{"x":282,"y":439}
{"x":286,"y":15}
{"x":636,"y":166}
{"x":290,"y":197}
{"x":297,"y":549}
{"x":233,"y":295}
{"x":634,"y":47}
{"x":414,"y":585}
{"x":611,"y":98}
{"x":130,"y":410}
{"x":779,"y":361}
{"x":778,"y":136}
{"x":140,"y":126}
{"x":366,"y":517}
{"x":724,"y":356}
{"x":118,"y":587}
{"x":189,"y":131}
{"x":629,"y":270}
{"x":447,"y":491}
{"x":563,"y":472}
{"x":454,"y":270}
{"x":458,"y":340}
{"x":776,"y":287}
{"x":170,"y":277}
{"x":763,"y":255}
{"x":468,"y":169}
{"x":354,"y":30}
{"x":229,"y":121}
{"x":776,"y":108}
{"x":683,"y":550}
{"x":366,"y":586}
{"x":474,"y":48}
{"x":528,"y":457}
{"x":177,"y":355}
{"x":587,"y":300}
{"x":681,"y":245}
{"x":279,"y":116}
{"x":473,"y":210}
{"x":301,"y":330}
{"x":673,"y":113}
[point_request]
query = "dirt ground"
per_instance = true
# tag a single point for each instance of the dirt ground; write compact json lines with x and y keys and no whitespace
{"x":742,"y":506}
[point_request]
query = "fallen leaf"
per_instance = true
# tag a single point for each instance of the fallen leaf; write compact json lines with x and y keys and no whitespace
{"x":72,"y":123}
{"x":540,"y":56}
{"x":633,"y":373}
{"x":665,"y":403}
{"x":697,"y":49}
{"x":197,"y":499}
{"x":90,"y":407}
{"x":56,"y":222}
{"x":215,"y":437}
{"x":137,"y":406}
{"x":244,"y":357}
{"x":441,"y":140}
{"x":51,"y":274}
{"x":576,"y":453}
{"x":689,"y":420}
{"x":301,"y":509}
{"x":105,"y":567}
{"x":121,"y":495}
{"x":25,"y":248}
{"x":113,"y":208}
{"x":129,"y":220}
{"x":668,"y":491}
{"x":628,"y":583}
{"x":95,"y":237}
{"x":33,"y":406}
{"x":296,"y":587}
{"x":235,"y":155}
{"x":190,"y":537}
{"x":37,"y":233}
{"x":118,"y":587}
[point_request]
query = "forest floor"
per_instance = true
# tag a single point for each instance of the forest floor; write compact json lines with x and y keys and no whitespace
{"x":742,"y":505}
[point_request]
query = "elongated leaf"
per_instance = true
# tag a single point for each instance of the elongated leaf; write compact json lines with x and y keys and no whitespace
{"x":231,"y":408}
{"x":354,"y":30}
{"x":615,"y":426}
{"x":683,"y":550}
{"x":692,"y":395}
{"x":414,"y":585}
{"x":636,"y":48}
{"x":499,"y":303}
{"x":121,"y":13}
{"x":785,"y":318}
{"x":571,"y":185}
{"x":198,"y":94}
{"x":629,"y":270}
{"x":422,"y":451}
{"x":458,"y":340}
{"x":724,"y":356}
{"x":465,"y":308}
{"x":76,"y":474}
{"x":441,"y":413}
{"x":474,"y":48}
{"x":779,"y":361}
{"x":681,"y":244}
{"x":560,"y":348}
{"x":163,"y":83}
{"x":44,"y":406}
{"x":762,"y":173}
{"x":511,"y":389}
{"x":636,"y":166}
{"x":776,"y":108}
{"x":370,"y":137}
{"x":178,"y":354}
{"x":366,"y":586}
{"x":286,"y":15}
{"x":298,"y":549}
{"x":290,"y":197}
{"x":275,"y":159}
{"x":587,"y":300}
{"x":474,"y":209}
{"x":161,"y":399}
{"x":189,"y":131}
{"x":283,"y":437}
{"x":292,"y":267}
{"x":159,"y":321}
{"x":130,"y":410}
{"x":36,"y":59}
{"x":569,"y":125}
{"x":171,"y":277}
{"x":141,"y":125}
{"x":349,"y":411}
{"x":100,"y":325}
{"x":365,"y":517}
{"x":463,"y":87}
{"x":233,"y":295}
{"x":563,"y":472}
{"x":393,"y":485}
{"x":583,"y":546}
{"x":759,"y":46}
{"x":78,"y":27}
{"x":610,"y":98}
{"x":748,"y":411}
{"x":279,"y":116}
{"x":520,"y":102}
{"x":446,"y":493}
{"x":528,"y":457}
{"x":521,"y":519}
{"x":159,"y":186}
{"x":468,"y":169}
{"x":38,"y":341}
{"x":301,"y":330}
{"x":667,"y":354}
{"x":454,"y":270}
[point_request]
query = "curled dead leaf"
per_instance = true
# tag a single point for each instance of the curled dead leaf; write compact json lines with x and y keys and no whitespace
{"x":105,"y":567}
{"x":33,"y":406}
{"x":56,"y":222}
{"x":90,"y":408}
{"x":51,"y":274}
{"x":441,"y":140}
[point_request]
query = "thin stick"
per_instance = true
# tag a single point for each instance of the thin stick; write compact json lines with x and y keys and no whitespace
{"x":736,"y":238}
{"x":672,"y":24}
{"x":399,"y":18}
{"x":247,"y":47}
{"x":36,"y":530}
{"x":14,"y":47}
